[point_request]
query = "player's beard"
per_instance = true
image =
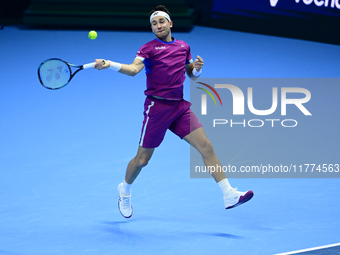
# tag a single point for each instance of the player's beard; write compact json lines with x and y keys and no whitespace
{"x":163,"y":35}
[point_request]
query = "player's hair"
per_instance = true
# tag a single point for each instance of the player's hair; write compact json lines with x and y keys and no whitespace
{"x":160,"y":8}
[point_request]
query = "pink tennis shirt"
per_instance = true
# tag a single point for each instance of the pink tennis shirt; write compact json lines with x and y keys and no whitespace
{"x":165,"y":67}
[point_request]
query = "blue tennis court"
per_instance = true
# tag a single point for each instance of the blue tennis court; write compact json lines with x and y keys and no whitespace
{"x":64,"y":152}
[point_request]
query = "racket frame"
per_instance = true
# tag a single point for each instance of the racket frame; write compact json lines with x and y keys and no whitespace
{"x":69,"y":65}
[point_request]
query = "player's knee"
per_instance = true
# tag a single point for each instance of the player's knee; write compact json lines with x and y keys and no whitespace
{"x":207,"y":148}
{"x":141,"y":162}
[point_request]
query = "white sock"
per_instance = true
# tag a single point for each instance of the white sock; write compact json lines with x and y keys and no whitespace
{"x":126,"y":189}
{"x":225,"y":187}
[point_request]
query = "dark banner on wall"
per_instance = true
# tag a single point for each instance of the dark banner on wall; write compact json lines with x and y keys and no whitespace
{"x":304,"y":19}
{"x":292,"y":8}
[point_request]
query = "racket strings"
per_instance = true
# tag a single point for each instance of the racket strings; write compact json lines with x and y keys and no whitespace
{"x":54,"y":74}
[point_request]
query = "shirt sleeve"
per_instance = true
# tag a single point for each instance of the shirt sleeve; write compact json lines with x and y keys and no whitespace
{"x":142,"y":53}
{"x":189,"y":57}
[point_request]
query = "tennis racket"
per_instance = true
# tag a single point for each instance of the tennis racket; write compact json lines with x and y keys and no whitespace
{"x":55,"y":73}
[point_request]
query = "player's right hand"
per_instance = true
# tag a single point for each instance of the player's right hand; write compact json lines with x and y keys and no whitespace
{"x":101,"y":64}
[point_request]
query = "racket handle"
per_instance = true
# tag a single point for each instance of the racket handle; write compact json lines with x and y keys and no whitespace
{"x":89,"y":65}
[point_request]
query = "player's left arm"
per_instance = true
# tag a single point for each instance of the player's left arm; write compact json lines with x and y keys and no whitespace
{"x":197,"y":64}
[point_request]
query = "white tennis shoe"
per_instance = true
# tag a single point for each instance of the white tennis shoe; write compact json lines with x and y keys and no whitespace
{"x":124,"y":203}
{"x":236,"y":198}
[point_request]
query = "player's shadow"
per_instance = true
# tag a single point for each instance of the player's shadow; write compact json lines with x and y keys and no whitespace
{"x":224,"y":235}
{"x":115,"y":229}
{"x":115,"y":222}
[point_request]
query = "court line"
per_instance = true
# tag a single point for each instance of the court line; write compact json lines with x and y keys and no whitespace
{"x":309,"y":249}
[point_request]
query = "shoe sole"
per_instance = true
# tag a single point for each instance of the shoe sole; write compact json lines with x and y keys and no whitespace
{"x":121,"y":211}
{"x":119,"y":206}
{"x":243,"y":199}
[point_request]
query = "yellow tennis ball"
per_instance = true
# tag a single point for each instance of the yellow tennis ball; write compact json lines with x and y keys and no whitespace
{"x":92,"y":35}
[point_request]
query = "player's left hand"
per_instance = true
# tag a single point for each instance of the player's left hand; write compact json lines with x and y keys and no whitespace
{"x":198,"y":64}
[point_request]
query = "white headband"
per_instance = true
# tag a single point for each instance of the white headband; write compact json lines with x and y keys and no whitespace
{"x":159,"y":13}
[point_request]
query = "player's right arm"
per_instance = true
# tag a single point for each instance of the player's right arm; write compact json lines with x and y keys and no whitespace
{"x":131,"y":70}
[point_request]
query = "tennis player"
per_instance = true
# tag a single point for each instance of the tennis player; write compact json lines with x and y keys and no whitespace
{"x":166,"y":60}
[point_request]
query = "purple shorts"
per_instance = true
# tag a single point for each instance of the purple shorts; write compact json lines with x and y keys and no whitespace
{"x":161,"y":115}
